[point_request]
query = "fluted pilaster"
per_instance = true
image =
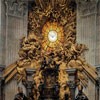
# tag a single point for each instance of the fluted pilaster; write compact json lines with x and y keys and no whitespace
{"x":2,"y":32}
{"x":87,"y":27}
{"x":98,"y":36}
{"x":87,"y":34}
{"x":16,"y":28}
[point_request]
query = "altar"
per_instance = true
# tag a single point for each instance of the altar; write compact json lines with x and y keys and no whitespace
{"x":49,"y":90}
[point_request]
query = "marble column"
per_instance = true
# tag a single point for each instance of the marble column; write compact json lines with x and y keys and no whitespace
{"x":72,"y":79}
{"x":98,"y":52}
{"x":29,"y":83}
{"x":2,"y":46}
{"x":87,"y":27}
{"x":1,"y":83}
{"x":16,"y":28}
{"x":2,"y":32}
{"x":1,"y":90}
{"x":98,"y":36}
{"x":87,"y":34}
{"x":98,"y":84}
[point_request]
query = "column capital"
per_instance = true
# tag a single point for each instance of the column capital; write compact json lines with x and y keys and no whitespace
{"x":87,"y":7}
{"x":16,"y":8}
{"x":86,"y":1}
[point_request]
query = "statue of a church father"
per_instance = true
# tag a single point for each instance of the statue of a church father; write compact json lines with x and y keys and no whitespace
{"x":81,"y":95}
{"x":20,"y":95}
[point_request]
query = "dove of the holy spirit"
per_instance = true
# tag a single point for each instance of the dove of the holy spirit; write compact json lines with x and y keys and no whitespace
{"x":52,"y":36}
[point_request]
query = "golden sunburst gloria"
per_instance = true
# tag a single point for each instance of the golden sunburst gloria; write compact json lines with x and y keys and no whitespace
{"x":53,"y":36}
